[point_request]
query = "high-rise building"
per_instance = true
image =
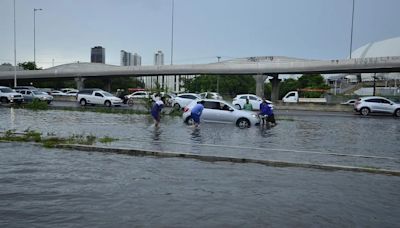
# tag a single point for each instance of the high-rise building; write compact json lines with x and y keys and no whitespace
{"x":137,"y":59}
{"x":159,"y":58}
{"x":126,"y":58}
{"x":98,"y":55}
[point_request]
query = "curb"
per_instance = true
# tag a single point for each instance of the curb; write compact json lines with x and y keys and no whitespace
{"x":211,"y":158}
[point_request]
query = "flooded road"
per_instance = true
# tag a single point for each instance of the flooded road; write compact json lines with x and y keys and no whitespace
{"x":63,"y":188}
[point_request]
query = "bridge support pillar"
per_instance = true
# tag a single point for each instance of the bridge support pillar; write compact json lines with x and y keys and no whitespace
{"x":275,"y":81}
{"x":80,"y":83}
{"x":260,"y":81}
{"x":108,"y":84}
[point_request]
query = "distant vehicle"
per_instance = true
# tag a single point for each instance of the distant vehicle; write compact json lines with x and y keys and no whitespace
{"x":98,"y":97}
{"x":374,"y":104}
{"x":183,"y":99}
{"x":349,"y":102}
{"x":31,"y":95}
{"x":211,"y":95}
{"x":66,"y":90}
{"x":7,"y":95}
{"x":57,"y":93}
{"x":219,"y":111}
{"x":25,"y":87}
{"x":293,"y":97}
{"x":168,"y":97}
{"x":71,"y":93}
{"x":254,"y":100}
{"x":139,"y":95}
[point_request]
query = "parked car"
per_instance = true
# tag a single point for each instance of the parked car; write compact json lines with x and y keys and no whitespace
{"x":254,"y":100}
{"x":72,"y":93}
{"x":349,"y":102}
{"x":98,"y":97}
{"x":211,"y":95}
{"x":138,"y":95}
{"x":183,"y":99}
{"x":57,"y":93}
{"x":220,"y":111}
{"x":367,"y":105}
{"x":168,"y":97}
{"x":30,"y":95}
{"x":7,"y":95}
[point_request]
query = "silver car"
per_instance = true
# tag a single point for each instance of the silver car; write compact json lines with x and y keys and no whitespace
{"x":30,"y":95}
{"x":220,"y":111}
{"x":366,"y":105}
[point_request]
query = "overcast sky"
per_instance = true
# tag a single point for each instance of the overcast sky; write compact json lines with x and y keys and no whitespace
{"x":203,"y":29}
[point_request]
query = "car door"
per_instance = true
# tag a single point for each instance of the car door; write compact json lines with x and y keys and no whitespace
{"x":211,"y":111}
{"x":225,"y":113}
{"x":255,"y":102}
{"x":98,"y":98}
{"x":374,"y":104}
{"x":386,"y":106}
{"x":28,"y":95}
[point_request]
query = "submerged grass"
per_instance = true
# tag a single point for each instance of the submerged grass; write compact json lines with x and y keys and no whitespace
{"x":107,"y":139}
{"x":50,"y":141}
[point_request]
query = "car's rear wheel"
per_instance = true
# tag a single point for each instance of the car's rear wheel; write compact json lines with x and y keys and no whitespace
{"x":107,"y":103}
{"x":48,"y":102}
{"x":189,"y":121}
{"x":238,"y":106}
{"x":177,"y":106}
{"x":364,"y":111}
{"x":397,"y":112}
{"x":243,"y":123}
{"x":82,"y":102}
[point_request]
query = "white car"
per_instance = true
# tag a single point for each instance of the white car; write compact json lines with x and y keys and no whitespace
{"x":183,"y":99}
{"x":57,"y":93}
{"x":99,"y":97}
{"x":254,"y":100}
{"x":219,"y":111}
{"x":211,"y":95}
{"x":138,"y":95}
{"x":7,"y":95}
{"x":366,"y":105}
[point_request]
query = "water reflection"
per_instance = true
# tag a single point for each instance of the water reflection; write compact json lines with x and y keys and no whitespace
{"x":12,"y":118}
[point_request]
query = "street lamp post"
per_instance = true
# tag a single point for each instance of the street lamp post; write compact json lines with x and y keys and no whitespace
{"x":15,"y":51}
{"x":351,"y":33}
{"x":34,"y":34}
{"x":218,"y":57}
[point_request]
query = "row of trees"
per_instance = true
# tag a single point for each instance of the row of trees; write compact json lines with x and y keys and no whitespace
{"x":236,"y":84}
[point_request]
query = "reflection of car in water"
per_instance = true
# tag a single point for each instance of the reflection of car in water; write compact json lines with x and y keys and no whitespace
{"x":220,"y":111}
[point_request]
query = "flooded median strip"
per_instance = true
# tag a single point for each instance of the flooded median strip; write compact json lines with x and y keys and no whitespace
{"x":210,"y":158}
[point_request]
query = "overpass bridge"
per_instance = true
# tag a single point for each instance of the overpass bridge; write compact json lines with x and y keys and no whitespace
{"x":260,"y":67}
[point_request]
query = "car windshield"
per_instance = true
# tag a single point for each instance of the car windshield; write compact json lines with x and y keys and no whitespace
{"x":6,"y":90}
{"x":107,"y":94}
{"x":39,"y":93}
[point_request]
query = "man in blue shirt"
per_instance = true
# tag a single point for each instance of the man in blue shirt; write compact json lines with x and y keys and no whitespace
{"x":266,"y":113}
{"x":196,"y":112}
{"x":156,"y":110}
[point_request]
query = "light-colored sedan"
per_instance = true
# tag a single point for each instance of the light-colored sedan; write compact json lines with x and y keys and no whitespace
{"x":183,"y":99}
{"x":30,"y":95}
{"x":367,"y":105}
{"x":219,"y":111}
{"x":254,"y":100}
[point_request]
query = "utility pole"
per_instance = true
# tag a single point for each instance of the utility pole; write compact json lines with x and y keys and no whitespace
{"x":218,"y":57}
{"x":15,"y":51}
{"x":34,"y":34}
{"x":351,"y":33}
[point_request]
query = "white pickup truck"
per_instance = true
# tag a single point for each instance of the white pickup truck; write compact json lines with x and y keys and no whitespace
{"x":293,"y":97}
{"x":98,"y":97}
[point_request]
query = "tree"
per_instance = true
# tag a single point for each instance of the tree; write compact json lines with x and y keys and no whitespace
{"x":311,"y":81}
{"x":29,"y":66}
{"x":228,"y":84}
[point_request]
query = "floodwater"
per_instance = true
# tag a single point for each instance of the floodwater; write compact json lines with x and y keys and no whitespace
{"x":62,"y":188}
